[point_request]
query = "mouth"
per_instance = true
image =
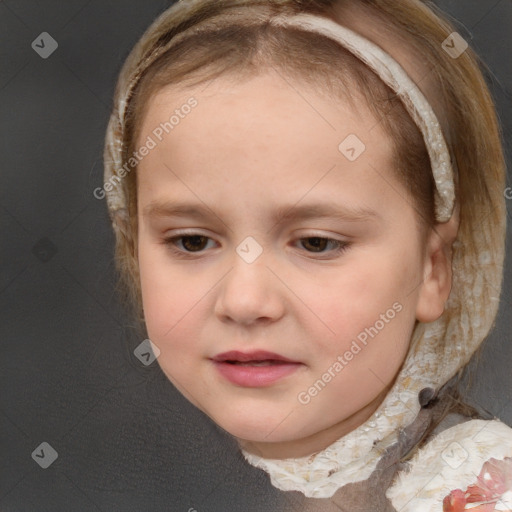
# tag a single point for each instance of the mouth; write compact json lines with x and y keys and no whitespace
{"x":256,"y":357}
{"x":267,"y":362}
{"x":254,"y":369}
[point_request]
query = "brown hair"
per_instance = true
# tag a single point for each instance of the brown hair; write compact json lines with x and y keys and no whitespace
{"x":231,"y":38}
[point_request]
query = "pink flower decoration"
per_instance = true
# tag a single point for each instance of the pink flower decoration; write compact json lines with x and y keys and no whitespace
{"x":494,"y":480}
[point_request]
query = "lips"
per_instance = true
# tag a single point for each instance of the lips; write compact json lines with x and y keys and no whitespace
{"x":254,"y":369}
{"x":261,"y":357}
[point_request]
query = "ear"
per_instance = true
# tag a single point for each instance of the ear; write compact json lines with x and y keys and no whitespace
{"x":437,"y":270}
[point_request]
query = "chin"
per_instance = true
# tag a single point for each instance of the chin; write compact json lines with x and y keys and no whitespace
{"x":257,"y":430}
{"x":265,"y":428}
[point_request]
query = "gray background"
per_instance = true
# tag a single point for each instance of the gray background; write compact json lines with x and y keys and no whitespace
{"x":126,"y":439}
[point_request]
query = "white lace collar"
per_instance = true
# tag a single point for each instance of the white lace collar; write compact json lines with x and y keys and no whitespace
{"x":353,"y":457}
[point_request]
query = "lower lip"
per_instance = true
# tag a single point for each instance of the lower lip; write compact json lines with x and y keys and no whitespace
{"x":255,"y":376}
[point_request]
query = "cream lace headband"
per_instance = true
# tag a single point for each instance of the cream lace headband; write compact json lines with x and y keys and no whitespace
{"x":379,"y":61}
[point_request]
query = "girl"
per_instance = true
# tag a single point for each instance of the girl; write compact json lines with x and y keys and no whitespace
{"x":307,"y":198}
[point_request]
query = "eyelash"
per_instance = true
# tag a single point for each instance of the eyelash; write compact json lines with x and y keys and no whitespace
{"x":171,"y":243}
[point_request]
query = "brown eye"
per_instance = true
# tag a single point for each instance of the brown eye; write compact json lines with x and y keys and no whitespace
{"x":325,"y":247}
{"x":187,"y":244}
{"x":317,"y":244}
{"x":194,"y":243}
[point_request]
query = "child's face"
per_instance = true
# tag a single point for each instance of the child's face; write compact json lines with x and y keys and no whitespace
{"x":345,"y":318}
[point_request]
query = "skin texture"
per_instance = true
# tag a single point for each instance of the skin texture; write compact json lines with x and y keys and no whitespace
{"x":245,"y":150}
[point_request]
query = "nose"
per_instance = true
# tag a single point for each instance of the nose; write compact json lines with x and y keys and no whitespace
{"x":250,"y":293}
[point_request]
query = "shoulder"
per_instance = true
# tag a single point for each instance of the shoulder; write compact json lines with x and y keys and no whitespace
{"x":476,"y":454}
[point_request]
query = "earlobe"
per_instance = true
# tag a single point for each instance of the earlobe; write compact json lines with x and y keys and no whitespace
{"x":437,"y":270}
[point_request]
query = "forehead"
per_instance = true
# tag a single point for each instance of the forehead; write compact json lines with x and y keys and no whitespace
{"x":265,"y":114}
{"x":262,"y":137}
{"x":251,"y":152}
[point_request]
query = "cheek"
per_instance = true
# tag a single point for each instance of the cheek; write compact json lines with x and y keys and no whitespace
{"x":167,"y":293}
{"x":177,"y":300}
{"x":359,"y":291}
{"x":371,"y":300}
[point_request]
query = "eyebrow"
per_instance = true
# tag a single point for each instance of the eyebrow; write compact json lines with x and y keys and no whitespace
{"x":282,"y":214}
